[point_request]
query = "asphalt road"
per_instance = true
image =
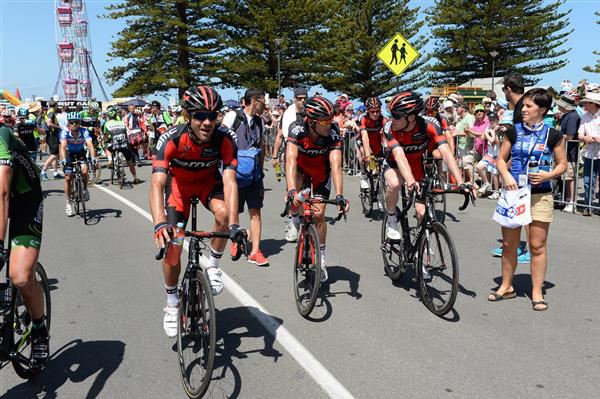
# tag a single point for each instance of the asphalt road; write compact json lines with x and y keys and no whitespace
{"x":372,"y":337}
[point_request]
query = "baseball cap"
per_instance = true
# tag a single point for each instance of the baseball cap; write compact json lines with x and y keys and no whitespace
{"x":155,"y":104}
{"x":448,"y":104}
{"x":479,"y":107}
{"x":300,"y":92}
{"x":486,"y":100}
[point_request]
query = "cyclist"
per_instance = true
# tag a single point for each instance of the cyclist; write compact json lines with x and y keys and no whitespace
{"x":72,"y":148}
{"x":116,"y":131}
{"x":313,"y":157}
{"x":371,"y":137}
{"x":22,"y":202}
{"x":24,"y":129}
{"x":187,"y":162}
{"x":408,"y":136}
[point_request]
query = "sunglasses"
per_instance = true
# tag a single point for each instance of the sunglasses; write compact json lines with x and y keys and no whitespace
{"x":325,"y":122}
{"x":75,"y":122}
{"x":201,"y":116}
{"x":397,"y":115}
{"x":374,"y":111}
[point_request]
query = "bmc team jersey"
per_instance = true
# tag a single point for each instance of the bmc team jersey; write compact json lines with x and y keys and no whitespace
{"x":75,"y":144}
{"x":427,"y":135}
{"x":192,"y":163}
{"x":374,"y":129}
{"x":193,"y":169}
{"x":313,"y":153}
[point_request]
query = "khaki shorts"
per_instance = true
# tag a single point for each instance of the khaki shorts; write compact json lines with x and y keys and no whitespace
{"x":466,"y":158}
{"x":542,"y":207}
{"x":570,"y":173}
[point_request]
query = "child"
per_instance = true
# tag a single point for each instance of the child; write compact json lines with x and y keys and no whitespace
{"x":488,"y":162}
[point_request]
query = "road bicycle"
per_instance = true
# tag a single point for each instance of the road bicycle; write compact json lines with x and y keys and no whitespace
{"x":436,"y":200}
{"x":426,"y":248}
{"x":376,"y":191}
{"x":78,"y":189}
{"x":16,"y":323}
{"x":95,"y":169}
{"x":117,"y":173}
{"x":307,"y":258}
{"x":196,"y":323}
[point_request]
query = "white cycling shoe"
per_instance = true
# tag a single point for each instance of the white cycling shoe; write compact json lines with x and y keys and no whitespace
{"x":170,"y":320}
{"x":69,"y":209}
{"x":214,"y":276}
{"x":324,"y":275}
{"x":292,"y":232}
{"x":391,"y":230}
{"x":364,"y":183}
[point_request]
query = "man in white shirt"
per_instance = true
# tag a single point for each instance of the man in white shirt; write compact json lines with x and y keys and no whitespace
{"x":589,"y":133}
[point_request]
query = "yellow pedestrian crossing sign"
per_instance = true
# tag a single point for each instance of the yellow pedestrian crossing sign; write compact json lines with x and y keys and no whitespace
{"x":398,"y":54}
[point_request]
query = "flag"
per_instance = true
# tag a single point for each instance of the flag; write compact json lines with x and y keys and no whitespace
{"x":18,"y":95}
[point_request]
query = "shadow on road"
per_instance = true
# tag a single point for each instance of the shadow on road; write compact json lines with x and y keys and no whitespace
{"x":95,"y":215}
{"x":271,"y":247}
{"x":237,"y":327}
{"x":50,"y":193}
{"x":340,"y":273}
{"x":76,"y":362}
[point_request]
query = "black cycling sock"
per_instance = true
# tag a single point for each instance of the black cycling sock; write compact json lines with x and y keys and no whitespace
{"x":38,"y":323}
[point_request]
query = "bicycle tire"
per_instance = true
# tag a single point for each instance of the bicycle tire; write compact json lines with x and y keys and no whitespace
{"x":392,"y":253}
{"x":21,"y":362}
{"x":311,"y":273}
{"x":366,"y":200}
{"x":96,"y":172}
{"x":431,"y":296}
{"x":75,"y":195}
{"x":82,"y":199}
{"x":121,"y":171}
{"x":196,"y":303}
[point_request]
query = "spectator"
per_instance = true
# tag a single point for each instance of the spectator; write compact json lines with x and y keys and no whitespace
{"x":136,"y":131}
{"x":464,"y":144}
{"x":514,"y":87}
{"x":569,"y":126}
{"x":249,"y":128}
{"x":530,"y":138}
{"x":478,"y":130}
{"x":492,"y":95}
{"x":589,"y":133}
{"x":487,"y":104}
{"x":52,"y":134}
{"x":488,"y":161}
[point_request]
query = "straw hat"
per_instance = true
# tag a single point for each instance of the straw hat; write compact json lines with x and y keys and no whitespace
{"x":592,"y":98}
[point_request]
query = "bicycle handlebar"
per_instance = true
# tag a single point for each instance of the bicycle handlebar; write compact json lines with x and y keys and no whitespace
{"x":341,"y":213}
{"x":206,"y":235}
{"x":469,"y":196}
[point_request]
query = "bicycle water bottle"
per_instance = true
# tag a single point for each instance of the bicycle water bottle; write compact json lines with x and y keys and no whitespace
{"x":278,"y":172}
{"x":533,"y":166}
{"x":372,"y":164}
{"x":179,"y":234}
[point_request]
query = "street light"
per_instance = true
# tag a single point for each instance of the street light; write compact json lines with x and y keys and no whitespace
{"x":278,"y":44}
{"x":494,"y":54}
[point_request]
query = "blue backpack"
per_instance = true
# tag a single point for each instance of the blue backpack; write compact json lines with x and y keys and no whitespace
{"x":248,"y":169}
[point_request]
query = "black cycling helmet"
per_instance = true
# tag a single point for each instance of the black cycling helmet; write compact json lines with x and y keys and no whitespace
{"x":372,"y":103}
{"x":201,"y":98}
{"x":406,"y":103}
{"x":318,"y":108}
{"x":432,"y":104}
{"x":112,"y":113}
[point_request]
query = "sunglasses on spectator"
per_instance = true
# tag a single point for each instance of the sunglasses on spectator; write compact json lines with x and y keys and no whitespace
{"x":301,"y":98}
{"x":325,"y":122}
{"x":201,"y":116}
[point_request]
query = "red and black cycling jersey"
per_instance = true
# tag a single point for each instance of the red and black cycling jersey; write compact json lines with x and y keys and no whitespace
{"x":313,"y":153}
{"x":427,"y":135}
{"x":189,"y":162}
{"x":374,"y":129}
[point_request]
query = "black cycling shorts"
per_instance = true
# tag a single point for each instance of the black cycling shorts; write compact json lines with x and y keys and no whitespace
{"x":72,"y":157}
{"x":26,"y":217}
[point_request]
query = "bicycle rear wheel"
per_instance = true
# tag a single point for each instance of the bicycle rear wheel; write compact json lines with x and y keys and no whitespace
{"x":437,"y":269}
{"x":113,"y":170}
{"x":21,"y":337}
{"x":392,"y":253}
{"x":307,"y":270}
{"x":121,"y":171}
{"x":366,"y":200}
{"x":196,"y":334}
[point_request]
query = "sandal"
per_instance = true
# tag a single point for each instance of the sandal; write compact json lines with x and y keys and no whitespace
{"x":507,"y":295}
{"x":542,"y":302}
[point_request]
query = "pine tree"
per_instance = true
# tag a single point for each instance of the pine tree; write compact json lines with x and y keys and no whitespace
{"x":251,"y":28}
{"x":166,"y":45}
{"x":358,"y":31}
{"x":526,"y":34}
{"x":595,"y":68}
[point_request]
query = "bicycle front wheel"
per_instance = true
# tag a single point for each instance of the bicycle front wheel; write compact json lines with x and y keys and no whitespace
{"x":95,"y":175}
{"x":121,"y":171}
{"x":392,"y":253}
{"x":366,"y":200}
{"x":82,"y":200}
{"x":21,"y":336}
{"x":437,"y":269}
{"x":75,"y":195}
{"x":196,"y":334}
{"x":307,"y":270}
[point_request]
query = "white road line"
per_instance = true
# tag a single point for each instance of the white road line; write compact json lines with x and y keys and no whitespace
{"x":305,"y":359}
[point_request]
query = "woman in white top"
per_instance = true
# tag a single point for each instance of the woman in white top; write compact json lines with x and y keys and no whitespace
{"x":589,"y":133}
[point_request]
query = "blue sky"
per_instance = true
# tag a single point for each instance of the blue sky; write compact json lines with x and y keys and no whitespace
{"x":28,"y":58}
